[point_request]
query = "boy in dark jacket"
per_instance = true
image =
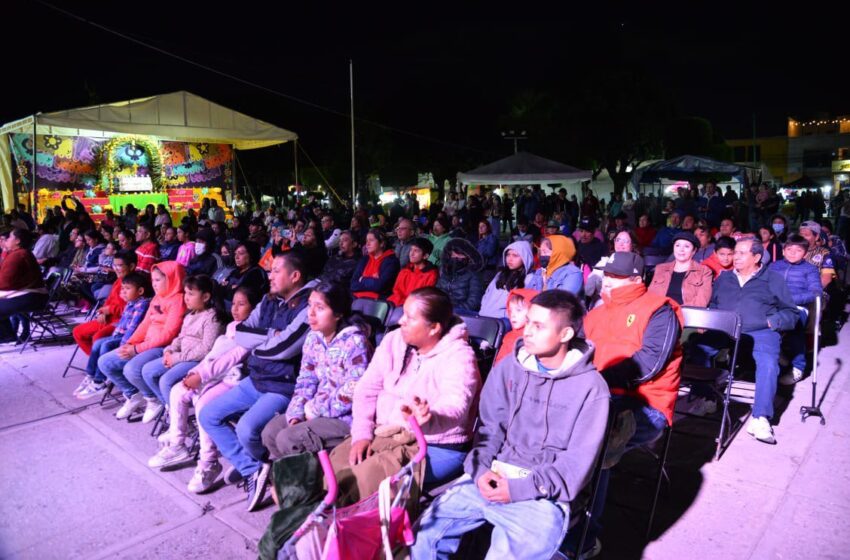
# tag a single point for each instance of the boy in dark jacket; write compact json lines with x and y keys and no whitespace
{"x":803,"y":281}
{"x":542,"y":414}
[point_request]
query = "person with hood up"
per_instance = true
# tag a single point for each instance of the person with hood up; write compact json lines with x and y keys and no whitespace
{"x":160,"y":326}
{"x":543,"y":414}
{"x":377,"y":270}
{"x":519,"y":301}
{"x":460,"y":276}
{"x":557,"y":271}
{"x":419,"y":272}
{"x":517,"y":262}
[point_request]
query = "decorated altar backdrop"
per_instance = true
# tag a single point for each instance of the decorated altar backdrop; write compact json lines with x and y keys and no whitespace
{"x":78,"y":162}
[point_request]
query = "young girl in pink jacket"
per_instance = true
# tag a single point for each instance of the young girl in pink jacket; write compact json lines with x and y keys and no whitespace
{"x":427,"y":368}
{"x":217,"y":373}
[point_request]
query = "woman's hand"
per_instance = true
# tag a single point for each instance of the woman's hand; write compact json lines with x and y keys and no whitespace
{"x":192,"y":381}
{"x":126,"y":352}
{"x":360,"y":449}
{"x":420,"y":409}
{"x":167,"y":360}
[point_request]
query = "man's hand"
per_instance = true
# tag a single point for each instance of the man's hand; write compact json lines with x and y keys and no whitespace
{"x":494,"y":488}
{"x":192,"y":381}
{"x":360,"y":449}
{"x":126,"y":352}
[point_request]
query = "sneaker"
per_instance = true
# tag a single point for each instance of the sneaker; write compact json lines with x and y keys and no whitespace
{"x":131,"y":406}
{"x":204,"y":477}
{"x":92,"y":390}
{"x":83,"y":385}
{"x":761,"y":429}
{"x":153,"y":408}
{"x":792,"y":377}
{"x":699,"y":406}
{"x":168,"y":456}
{"x":255,"y":486}
{"x":232,"y":476}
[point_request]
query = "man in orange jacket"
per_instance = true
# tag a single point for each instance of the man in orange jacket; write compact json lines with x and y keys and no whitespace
{"x":636,"y":336}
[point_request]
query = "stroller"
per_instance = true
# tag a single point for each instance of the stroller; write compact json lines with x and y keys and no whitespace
{"x":364,"y":530}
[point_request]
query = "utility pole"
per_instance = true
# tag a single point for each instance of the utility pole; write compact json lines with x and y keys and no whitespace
{"x":353,"y":175}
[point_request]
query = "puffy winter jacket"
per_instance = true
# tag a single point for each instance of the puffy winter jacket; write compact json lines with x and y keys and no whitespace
{"x":802,"y":279}
{"x":463,"y":285}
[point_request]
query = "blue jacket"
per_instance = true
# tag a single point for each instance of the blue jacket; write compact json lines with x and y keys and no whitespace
{"x":763,"y":298}
{"x":802,"y":279}
{"x":275,"y":333}
{"x":489,"y":249}
{"x":567,"y":277}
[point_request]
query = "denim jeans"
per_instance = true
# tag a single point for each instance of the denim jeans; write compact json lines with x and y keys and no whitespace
{"x":161,"y":379}
{"x":133,"y":370}
{"x":100,"y":347}
{"x":764,"y":345}
{"x":121,"y":371}
{"x":527,"y":529}
{"x":243,"y":447}
{"x":445,"y":462}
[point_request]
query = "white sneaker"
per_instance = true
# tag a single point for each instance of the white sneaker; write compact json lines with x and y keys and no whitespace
{"x":83,"y":384}
{"x":204,"y":477}
{"x":93,"y":390}
{"x":132,"y":405}
{"x":792,"y":377}
{"x":168,"y":456}
{"x":761,"y":429}
{"x":152,"y":409}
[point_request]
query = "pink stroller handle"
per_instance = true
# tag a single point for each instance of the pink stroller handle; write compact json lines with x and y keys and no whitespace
{"x":420,"y":439}
{"x":330,"y":477}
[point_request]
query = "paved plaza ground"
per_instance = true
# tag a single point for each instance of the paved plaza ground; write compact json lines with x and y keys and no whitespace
{"x":74,"y":483}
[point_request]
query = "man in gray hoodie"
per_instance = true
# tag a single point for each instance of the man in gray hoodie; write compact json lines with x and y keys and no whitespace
{"x":542,"y":418}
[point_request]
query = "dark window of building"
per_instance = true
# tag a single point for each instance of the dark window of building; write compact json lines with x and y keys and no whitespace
{"x":740,"y":153}
{"x":817,"y":158}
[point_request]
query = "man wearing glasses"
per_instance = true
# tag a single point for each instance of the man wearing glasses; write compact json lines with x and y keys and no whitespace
{"x":405,"y":232}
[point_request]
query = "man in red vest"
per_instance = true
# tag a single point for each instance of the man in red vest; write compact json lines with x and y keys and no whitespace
{"x":636,"y":336}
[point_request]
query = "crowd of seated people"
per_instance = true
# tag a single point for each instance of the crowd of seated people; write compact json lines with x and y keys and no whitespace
{"x":250,"y":324}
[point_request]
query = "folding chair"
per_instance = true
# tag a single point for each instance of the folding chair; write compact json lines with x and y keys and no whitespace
{"x":89,"y":317}
{"x":391,"y":323}
{"x":650,"y":262}
{"x":45,"y":318}
{"x":728,"y":323}
{"x":375,"y":311}
{"x":485,"y":334}
{"x":813,"y":328}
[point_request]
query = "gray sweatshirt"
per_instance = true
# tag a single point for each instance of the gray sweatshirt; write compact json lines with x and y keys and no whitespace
{"x":550,"y":423}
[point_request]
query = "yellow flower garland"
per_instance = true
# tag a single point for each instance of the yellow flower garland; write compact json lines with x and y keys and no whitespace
{"x":109,"y":167}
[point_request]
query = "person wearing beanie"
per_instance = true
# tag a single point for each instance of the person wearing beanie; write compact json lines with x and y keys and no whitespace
{"x":557,"y":271}
{"x":683,"y":280}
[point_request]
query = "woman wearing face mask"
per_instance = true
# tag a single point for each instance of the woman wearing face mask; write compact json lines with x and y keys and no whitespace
{"x":557,"y":268}
{"x":779,"y":224}
{"x":459,"y":276}
{"x":227,"y":263}
{"x":203,"y":262}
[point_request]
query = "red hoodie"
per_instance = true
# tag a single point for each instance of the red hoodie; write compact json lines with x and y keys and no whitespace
{"x":412,"y":278}
{"x":715,"y":266}
{"x":509,"y":340}
{"x":164,"y":318}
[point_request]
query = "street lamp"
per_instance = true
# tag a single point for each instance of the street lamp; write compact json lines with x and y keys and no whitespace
{"x":511,"y":135}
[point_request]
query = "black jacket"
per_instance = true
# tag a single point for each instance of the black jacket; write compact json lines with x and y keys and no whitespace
{"x":463,"y":285}
{"x":339,"y":269}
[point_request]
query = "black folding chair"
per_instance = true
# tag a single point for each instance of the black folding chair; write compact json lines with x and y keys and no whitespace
{"x":391,"y":323}
{"x":45,"y":319}
{"x":485,"y":335}
{"x":375,"y":311}
{"x":90,"y":317}
{"x":728,"y":323}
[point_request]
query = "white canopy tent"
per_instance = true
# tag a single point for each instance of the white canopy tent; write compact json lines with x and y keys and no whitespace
{"x":523,"y":168}
{"x":180,"y":116}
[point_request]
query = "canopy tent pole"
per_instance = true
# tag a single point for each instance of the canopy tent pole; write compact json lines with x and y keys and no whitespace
{"x":34,"y":199}
{"x":353,"y":176}
{"x":295,"y":155}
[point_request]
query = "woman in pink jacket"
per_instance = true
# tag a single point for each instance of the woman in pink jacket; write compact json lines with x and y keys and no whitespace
{"x":427,"y":368}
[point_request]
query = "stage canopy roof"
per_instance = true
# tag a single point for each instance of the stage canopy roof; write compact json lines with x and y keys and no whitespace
{"x":523,"y":168}
{"x":686,"y":168}
{"x":180,"y":116}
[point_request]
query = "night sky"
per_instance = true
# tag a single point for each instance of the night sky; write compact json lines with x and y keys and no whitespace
{"x":448,"y":73}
